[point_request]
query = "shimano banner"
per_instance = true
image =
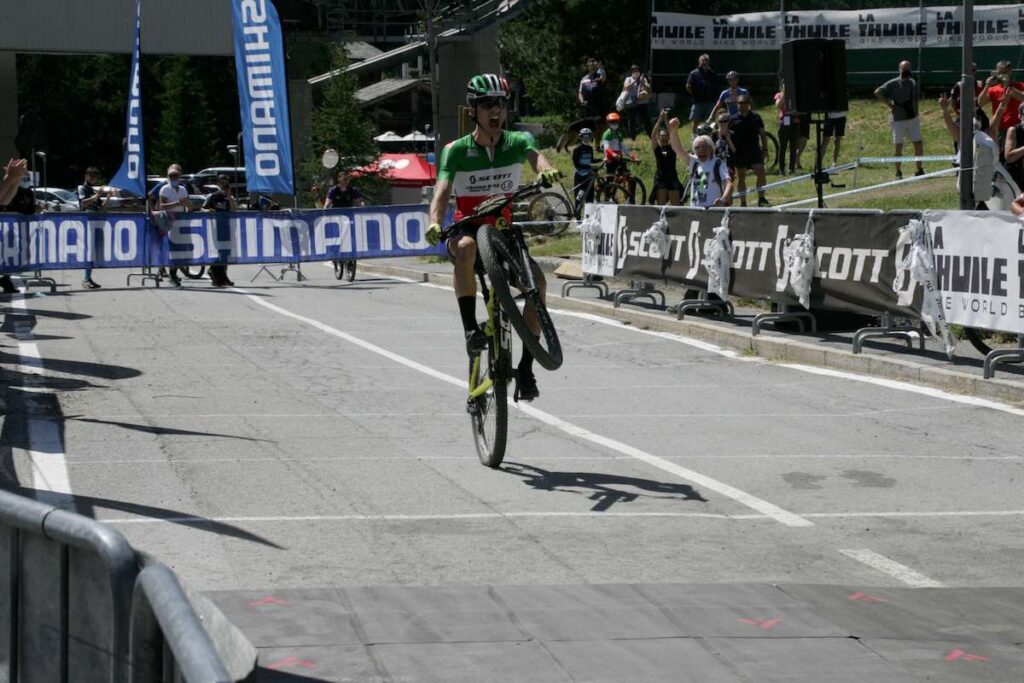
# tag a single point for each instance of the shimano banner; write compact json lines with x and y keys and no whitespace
{"x":979,"y":264}
{"x":57,"y":241}
{"x":132,"y":174}
{"x":855,"y":254}
{"x":994,"y":25}
{"x":263,"y":96}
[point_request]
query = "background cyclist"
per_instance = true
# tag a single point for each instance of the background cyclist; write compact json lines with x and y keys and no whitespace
{"x":486,"y":162}
{"x":583,"y":162}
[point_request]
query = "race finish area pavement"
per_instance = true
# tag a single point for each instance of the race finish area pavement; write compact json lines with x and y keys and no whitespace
{"x":667,"y":511}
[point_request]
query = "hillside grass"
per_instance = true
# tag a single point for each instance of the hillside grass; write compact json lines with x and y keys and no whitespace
{"x":867,"y":135}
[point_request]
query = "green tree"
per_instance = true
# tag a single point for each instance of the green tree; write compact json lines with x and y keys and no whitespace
{"x":339,"y":123}
{"x":183,"y":130}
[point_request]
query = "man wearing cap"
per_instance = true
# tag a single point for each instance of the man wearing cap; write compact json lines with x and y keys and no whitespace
{"x":174,"y":199}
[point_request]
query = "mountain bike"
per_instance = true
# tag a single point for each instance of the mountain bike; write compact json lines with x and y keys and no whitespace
{"x":551,"y":213}
{"x":503,"y":261}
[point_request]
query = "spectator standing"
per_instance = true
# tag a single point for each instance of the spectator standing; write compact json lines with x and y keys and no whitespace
{"x":729,"y":97}
{"x":986,"y":151}
{"x":591,"y":91}
{"x":174,"y":199}
{"x":901,"y":96}
{"x":221,"y":201}
{"x":701,"y":84}
{"x":154,"y":194}
{"x":789,"y":131}
{"x":666,"y":188}
{"x":835,"y":127}
{"x":14,"y":171}
{"x":583,"y":163}
{"x":1001,"y":86}
{"x":710,"y":184}
{"x":746,"y":131}
{"x":342,"y":193}
{"x":636,"y":89}
{"x":90,"y":199}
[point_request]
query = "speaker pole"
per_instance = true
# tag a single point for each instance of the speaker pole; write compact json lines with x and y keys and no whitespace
{"x":967,"y":111}
{"x":820,"y":177}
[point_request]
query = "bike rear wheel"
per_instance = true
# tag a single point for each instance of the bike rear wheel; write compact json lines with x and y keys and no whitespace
{"x":339,"y":269}
{"x":503,"y":267}
{"x":771,"y":154}
{"x":350,"y":270}
{"x":488,"y":412}
{"x":192,"y":272}
{"x":552,"y":213}
{"x":639,"y":194}
{"x":613,"y":193}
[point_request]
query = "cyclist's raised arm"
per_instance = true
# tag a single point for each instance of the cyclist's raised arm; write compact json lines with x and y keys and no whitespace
{"x":439,"y":203}
{"x":673,"y":139}
{"x":538,"y":162}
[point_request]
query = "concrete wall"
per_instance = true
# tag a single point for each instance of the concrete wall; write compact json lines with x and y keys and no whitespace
{"x":457,"y":62}
{"x":185,"y":27}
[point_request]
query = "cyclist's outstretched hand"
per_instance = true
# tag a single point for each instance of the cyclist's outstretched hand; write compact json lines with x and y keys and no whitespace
{"x":434,"y":234}
{"x":550,"y":177}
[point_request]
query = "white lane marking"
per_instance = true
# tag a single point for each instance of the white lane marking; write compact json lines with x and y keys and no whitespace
{"x":469,"y":516}
{"x":45,"y":449}
{"x":763,"y":506}
{"x":892,"y":568}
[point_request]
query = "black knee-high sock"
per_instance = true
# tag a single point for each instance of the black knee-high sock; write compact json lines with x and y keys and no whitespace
{"x":467,"y":309}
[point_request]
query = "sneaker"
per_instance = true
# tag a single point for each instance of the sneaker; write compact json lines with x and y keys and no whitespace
{"x":899,"y":175}
{"x":228,"y":283}
{"x":919,"y":171}
{"x":476,"y":341}
{"x":175,"y":282}
{"x":90,"y":284}
{"x":7,"y":287}
{"x":526,"y":386}
{"x":763,"y":201}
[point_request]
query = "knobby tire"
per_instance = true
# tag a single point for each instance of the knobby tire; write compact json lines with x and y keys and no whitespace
{"x":553,"y":208}
{"x":500,"y":263}
{"x":192,"y":272}
{"x":490,"y":422}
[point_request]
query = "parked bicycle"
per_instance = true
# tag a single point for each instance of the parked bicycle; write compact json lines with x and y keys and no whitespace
{"x":503,"y":261}
{"x":345,"y":269}
{"x":551,"y":213}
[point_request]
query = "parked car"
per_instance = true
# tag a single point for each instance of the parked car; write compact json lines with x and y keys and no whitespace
{"x":236,"y":174}
{"x":56,"y":199}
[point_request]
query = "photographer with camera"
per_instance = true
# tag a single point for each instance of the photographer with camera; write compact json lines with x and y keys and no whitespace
{"x":90,"y":198}
{"x":902,"y":96}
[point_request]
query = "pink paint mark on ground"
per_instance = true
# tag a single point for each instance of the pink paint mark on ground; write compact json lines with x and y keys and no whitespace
{"x":270,"y":600}
{"x":966,"y":656}
{"x":766,"y":624}
{"x":292,"y":662}
{"x":864,"y":597}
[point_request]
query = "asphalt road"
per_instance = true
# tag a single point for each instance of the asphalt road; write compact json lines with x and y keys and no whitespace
{"x":305,"y":434}
{"x":285,"y":435}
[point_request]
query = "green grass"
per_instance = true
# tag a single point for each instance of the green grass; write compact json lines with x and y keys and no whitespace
{"x":867,"y":135}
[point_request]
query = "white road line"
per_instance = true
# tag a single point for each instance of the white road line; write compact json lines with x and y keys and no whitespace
{"x":827,"y":372}
{"x":892,"y":568}
{"x":45,"y":447}
{"x":763,"y":506}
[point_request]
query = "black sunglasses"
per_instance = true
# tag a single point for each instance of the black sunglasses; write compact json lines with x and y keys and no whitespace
{"x":488,"y":102}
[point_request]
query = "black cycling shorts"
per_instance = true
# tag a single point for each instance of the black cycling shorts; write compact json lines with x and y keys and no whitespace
{"x":670,"y":184}
{"x":836,"y":127}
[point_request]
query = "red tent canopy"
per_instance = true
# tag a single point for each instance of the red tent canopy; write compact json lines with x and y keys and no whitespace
{"x":403,"y":170}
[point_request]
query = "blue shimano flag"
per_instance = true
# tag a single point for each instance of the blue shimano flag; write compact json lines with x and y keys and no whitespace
{"x":132,"y":174}
{"x":263,"y":96}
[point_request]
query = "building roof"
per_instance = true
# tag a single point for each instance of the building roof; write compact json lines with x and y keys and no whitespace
{"x":357,"y":50}
{"x":388,"y":88}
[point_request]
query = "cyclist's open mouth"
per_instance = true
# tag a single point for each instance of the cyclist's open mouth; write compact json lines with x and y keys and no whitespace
{"x":495,"y":123}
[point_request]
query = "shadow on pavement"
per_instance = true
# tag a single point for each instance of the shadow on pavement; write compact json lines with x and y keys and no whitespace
{"x":161,"y":431}
{"x":87,"y":506}
{"x":265,"y":675}
{"x":605,"y":489}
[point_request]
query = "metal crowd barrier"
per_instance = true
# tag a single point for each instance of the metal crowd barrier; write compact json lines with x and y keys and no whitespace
{"x":75,"y":607}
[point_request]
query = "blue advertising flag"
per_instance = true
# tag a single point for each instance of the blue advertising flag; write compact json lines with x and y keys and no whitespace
{"x":263,"y":96}
{"x":132,"y":174}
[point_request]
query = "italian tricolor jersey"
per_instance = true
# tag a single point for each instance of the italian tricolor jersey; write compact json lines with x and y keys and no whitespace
{"x":474,"y":176}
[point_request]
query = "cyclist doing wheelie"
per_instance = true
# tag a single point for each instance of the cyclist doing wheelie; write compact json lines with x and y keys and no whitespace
{"x":486,"y":162}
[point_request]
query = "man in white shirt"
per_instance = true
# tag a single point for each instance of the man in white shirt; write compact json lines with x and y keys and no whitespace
{"x":174,"y":199}
{"x":710,"y":184}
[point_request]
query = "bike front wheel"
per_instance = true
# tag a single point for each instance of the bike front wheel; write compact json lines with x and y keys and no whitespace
{"x":550,"y":214}
{"x":639,"y":193}
{"x":505,"y":268}
{"x":488,"y":411}
{"x":350,"y":270}
{"x":771,"y":153}
{"x":193,"y":272}
{"x":339,"y":269}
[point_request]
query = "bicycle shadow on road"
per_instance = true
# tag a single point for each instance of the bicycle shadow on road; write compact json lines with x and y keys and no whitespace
{"x":605,"y":489}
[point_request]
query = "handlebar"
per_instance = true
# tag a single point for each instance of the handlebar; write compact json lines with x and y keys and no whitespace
{"x":494,"y":205}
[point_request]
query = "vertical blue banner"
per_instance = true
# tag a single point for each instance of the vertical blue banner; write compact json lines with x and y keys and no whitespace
{"x":263,"y":96}
{"x":132,"y":174}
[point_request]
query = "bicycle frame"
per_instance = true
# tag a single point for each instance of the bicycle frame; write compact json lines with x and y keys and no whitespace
{"x":497,"y":328}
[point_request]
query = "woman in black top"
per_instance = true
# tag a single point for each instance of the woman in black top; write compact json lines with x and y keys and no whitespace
{"x":667,"y":149}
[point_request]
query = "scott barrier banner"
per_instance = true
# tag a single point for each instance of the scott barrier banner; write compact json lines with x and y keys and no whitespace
{"x":855,"y":254}
{"x":132,"y":174}
{"x":905,"y":27}
{"x":59,"y":241}
{"x":979,"y":263}
{"x":263,"y":96}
